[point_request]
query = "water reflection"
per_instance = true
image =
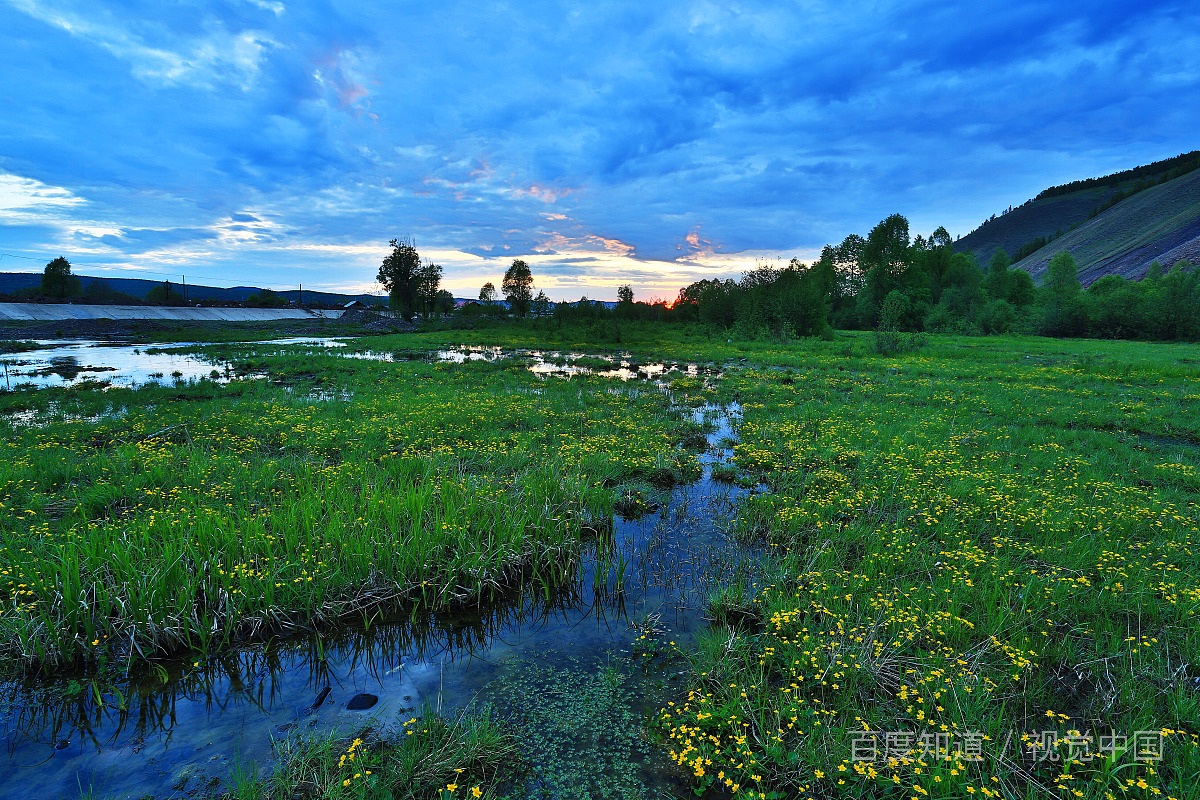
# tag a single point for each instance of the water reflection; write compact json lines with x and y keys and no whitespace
{"x":261,"y":678}
{"x":68,"y":362}
{"x":188,"y":723}
{"x":180,"y":725}
{"x":64,"y":363}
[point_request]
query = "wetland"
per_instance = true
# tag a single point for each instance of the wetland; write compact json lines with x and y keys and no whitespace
{"x":529,"y":565}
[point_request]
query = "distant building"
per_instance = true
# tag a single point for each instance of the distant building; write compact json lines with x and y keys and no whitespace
{"x":354,"y":304}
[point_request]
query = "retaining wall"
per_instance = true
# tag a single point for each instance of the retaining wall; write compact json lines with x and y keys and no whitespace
{"x":55,"y":312}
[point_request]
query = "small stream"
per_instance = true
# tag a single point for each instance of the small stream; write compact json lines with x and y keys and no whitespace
{"x":182,"y":731}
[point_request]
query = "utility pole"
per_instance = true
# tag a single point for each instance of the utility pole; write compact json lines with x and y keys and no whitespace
{"x":185,"y":297}
{"x":302,"y":294}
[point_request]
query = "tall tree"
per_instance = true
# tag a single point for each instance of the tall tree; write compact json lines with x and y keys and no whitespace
{"x":848,"y":261}
{"x":518,"y":287}
{"x":936,"y":259}
{"x":886,"y":247}
{"x":995,"y":283}
{"x":1062,"y":275}
{"x":57,"y":280}
{"x":711,"y":300}
{"x":849,"y":276}
{"x":625,"y":294}
{"x":428,"y":279}
{"x":399,"y":275}
{"x":1064,"y":312}
{"x":488,"y":293}
{"x":1020,"y":287}
{"x":886,"y":259}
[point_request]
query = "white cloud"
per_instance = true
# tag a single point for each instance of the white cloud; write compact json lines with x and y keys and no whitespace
{"x":217,"y":56}
{"x":777,"y":128}
{"x":24,"y":200}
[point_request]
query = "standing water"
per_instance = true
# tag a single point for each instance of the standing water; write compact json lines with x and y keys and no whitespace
{"x":70,"y":361}
{"x":638,"y":600}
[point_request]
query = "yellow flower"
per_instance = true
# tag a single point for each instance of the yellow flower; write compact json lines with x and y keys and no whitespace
{"x":476,"y":791}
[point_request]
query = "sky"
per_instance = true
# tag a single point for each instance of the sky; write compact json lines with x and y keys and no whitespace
{"x":275,"y":143}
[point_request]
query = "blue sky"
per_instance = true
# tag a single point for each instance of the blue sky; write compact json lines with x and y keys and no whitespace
{"x":273,"y":143}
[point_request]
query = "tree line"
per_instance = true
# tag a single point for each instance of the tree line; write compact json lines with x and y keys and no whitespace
{"x":413,"y":285}
{"x":1157,"y":172}
{"x":885,"y":281}
{"x":890,"y":281}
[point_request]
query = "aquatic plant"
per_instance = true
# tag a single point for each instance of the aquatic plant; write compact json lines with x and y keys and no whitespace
{"x":580,"y":733}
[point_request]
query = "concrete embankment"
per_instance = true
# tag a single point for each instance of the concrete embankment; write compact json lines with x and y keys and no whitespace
{"x":61,"y":312}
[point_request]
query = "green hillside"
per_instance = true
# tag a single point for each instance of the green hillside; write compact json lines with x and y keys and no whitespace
{"x":1059,"y":209}
{"x":1159,"y":224}
{"x":1046,"y":217}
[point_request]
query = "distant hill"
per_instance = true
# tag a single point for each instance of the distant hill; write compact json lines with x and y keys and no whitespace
{"x":12,"y":282}
{"x":1160,"y":224}
{"x":1118,"y":223}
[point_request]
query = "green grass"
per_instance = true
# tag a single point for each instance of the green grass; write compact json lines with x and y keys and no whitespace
{"x":207,"y":515}
{"x":985,"y":537}
{"x":971,"y":541}
{"x":464,"y":756}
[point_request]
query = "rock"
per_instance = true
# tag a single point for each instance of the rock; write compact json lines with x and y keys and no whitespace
{"x":321,"y":698}
{"x":361,"y":702}
{"x":359,"y":316}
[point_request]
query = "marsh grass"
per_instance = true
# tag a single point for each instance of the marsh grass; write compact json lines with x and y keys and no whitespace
{"x":889,"y":341}
{"x":986,"y":536}
{"x":735,"y":606}
{"x":464,"y":755}
{"x":971,"y":542}
{"x":208,"y":515}
{"x":8,"y":346}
